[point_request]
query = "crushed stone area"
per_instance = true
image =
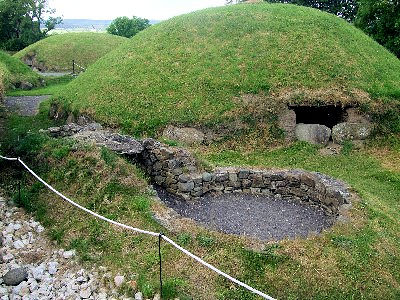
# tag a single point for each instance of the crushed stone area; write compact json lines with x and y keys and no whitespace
{"x":24,"y":105}
{"x":32,"y":268}
{"x":54,"y":74}
{"x":264,"y":218}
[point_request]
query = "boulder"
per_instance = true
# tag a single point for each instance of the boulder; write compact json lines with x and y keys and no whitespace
{"x":15,"y":277}
{"x":351,"y":131}
{"x":25,"y":85}
{"x":186,"y":135}
{"x":287,"y":122}
{"x":313,"y":133}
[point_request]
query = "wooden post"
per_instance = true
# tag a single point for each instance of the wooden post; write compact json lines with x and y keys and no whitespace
{"x":73,"y":66}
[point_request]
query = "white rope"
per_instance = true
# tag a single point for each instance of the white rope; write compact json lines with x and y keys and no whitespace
{"x":7,"y":158}
{"x":80,"y":67}
{"x":83,"y":208}
{"x":198,"y":259}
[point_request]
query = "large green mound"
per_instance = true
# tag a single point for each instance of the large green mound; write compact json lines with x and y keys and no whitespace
{"x":56,"y":52}
{"x":192,"y":68}
{"x":13,"y":72}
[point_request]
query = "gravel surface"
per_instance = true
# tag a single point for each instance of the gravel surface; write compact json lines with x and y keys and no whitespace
{"x":251,"y":215}
{"x":32,"y":268}
{"x":54,"y":74}
{"x":24,"y":105}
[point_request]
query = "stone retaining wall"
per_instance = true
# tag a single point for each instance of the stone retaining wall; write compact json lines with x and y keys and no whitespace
{"x":175,"y":170}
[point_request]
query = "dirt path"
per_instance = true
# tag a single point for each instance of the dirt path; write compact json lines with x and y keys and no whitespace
{"x":24,"y":105}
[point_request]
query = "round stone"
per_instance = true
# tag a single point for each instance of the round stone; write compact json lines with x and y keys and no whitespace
{"x":15,"y":277}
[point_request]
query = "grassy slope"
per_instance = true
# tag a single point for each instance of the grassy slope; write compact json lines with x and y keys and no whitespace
{"x":58,"y":51}
{"x":357,"y":260}
{"x":12,"y":72}
{"x":189,"y":68}
{"x":53,"y":85}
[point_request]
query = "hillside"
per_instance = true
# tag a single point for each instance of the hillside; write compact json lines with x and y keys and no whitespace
{"x":56,"y":52}
{"x":192,"y":68}
{"x":13,"y":72}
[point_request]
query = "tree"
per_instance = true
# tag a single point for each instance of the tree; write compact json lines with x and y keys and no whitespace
{"x":123,"y":26}
{"x":346,"y":9}
{"x":21,"y":20}
{"x":381,"y":20}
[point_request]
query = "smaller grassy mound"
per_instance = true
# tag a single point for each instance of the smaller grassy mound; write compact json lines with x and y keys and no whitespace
{"x":13,"y":73}
{"x":56,"y":52}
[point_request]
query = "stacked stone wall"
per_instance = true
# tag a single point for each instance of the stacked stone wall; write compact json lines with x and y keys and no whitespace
{"x":175,"y":170}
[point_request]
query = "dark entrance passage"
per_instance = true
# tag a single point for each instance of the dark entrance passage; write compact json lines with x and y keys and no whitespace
{"x":324,"y":115}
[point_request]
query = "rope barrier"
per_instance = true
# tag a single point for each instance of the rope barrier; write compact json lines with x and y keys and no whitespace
{"x":159,"y":235}
{"x":80,"y":66}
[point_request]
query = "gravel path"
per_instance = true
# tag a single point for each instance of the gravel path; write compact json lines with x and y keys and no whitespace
{"x":256,"y":216}
{"x":32,"y":268}
{"x":24,"y":105}
{"x":54,"y":74}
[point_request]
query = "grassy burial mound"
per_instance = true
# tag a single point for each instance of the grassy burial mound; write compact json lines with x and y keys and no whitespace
{"x":56,"y":52}
{"x":15,"y":74}
{"x":205,"y":67}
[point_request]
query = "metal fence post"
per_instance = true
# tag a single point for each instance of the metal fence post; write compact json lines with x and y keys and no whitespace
{"x":159,"y":256}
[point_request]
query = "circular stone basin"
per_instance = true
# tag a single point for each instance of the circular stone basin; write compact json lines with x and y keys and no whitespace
{"x":261,"y":217}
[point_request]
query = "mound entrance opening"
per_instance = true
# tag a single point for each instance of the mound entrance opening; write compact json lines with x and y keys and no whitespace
{"x":328,"y":115}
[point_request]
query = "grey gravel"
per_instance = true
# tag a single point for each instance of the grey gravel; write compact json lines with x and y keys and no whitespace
{"x":24,"y":105}
{"x":261,"y":217}
{"x":54,"y":74}
{"x":41,"y":271}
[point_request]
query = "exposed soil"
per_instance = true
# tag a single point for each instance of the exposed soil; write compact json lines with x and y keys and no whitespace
{"x":256,"y":216}
{"x":24,"y":105}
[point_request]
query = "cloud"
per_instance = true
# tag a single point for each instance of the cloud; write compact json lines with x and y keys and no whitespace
{"x":107,"y":9}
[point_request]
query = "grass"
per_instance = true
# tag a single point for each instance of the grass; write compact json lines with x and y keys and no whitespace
{"x":52,"y":86}
{"x":192,"y":68}
{"x":356,"y":260}
{"x":13,"y":72}
{"x":56,"y":52}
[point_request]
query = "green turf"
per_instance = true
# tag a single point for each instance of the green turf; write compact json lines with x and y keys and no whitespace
{"x":355,"y":260}
{"x":187,"y":70}
{"x":52,"y":86}
{"x":13,"y":72}
{"x":57,"y":51}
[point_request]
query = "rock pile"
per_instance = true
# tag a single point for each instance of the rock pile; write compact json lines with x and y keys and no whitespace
{"x":94,"y":132}
{"x":31,"y":268}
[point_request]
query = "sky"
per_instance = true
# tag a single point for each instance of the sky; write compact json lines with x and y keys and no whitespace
{"x":111,"y":9}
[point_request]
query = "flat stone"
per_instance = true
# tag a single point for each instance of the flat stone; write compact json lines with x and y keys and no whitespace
{"x":184,"y":178}
{"x":119,"y":280}
{"x":8,"y":257}
{"x":138,"y":296}
{"x":85,"y":293}
{"x":69,"y":254}
{"x":351,"y":131}
{"x":15,"y":277}
{"x":186,"y":186}
{"x":53,"y":267}
{"x":313,"y":133}
{"x":37,"y":272}
{"x":185,"y":135}
{"x":207,"y":177}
